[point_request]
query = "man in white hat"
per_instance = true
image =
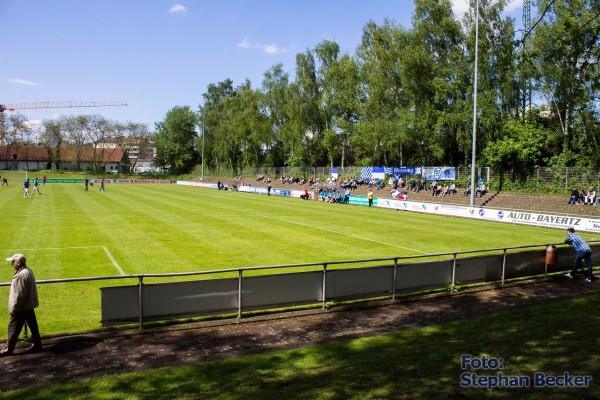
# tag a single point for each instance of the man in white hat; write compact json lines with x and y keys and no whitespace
{"x":22,"y":301}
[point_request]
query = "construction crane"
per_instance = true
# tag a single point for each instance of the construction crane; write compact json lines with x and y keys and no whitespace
{"x":52,"y":104}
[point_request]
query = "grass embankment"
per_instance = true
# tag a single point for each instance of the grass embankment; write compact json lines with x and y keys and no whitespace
{"x":417,"y":364}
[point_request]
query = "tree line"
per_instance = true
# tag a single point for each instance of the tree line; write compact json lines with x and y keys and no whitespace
{"x":405,"y":97}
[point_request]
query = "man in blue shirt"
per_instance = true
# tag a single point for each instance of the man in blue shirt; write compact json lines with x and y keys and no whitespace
{"x":582,"y":251}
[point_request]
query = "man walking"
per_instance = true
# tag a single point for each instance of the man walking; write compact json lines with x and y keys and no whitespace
{"x":22,"y":301}
{"x":583,"y":253}
{"x":35,"y":187}
{"x":26,"y":188}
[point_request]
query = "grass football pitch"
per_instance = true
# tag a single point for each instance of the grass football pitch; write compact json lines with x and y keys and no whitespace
{"x":67,"y":232}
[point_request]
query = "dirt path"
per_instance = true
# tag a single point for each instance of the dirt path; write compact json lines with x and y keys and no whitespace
{"x":75,"y":357}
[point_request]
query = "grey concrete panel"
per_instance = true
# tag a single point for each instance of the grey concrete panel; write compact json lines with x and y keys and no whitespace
{"x":265,"y":290}
{"x":478,"y":269}
{"x":424,"y":274}
{"x":119,"y":303}
{"x":190,"y":298}
{"x":353,"y":282}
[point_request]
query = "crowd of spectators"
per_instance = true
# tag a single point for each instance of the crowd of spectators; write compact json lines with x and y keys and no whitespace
{"x":582,"y":197}
{"x":337,"y":190}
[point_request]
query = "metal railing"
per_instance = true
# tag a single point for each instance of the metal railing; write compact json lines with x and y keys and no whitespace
{"x":326,"y":267}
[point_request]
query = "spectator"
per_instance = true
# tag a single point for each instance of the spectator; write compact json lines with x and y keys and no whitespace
{"x":22,"y":301}
{"x":574,"y":197}
{"x":581,"y":199}
{"x":370,"y":197}
{"x":445,"y":190}
{"x":347,"y":196}
{"x":591,"y":196}
{"x":467,"y":190}
{"x":583,"y":252}
{"x":481,"y":190}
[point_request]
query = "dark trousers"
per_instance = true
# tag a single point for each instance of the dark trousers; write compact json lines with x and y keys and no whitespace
{"x":583,"y":256}
{"x":15,"y":325}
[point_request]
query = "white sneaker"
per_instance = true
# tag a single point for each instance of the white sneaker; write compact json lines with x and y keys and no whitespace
{"x":588,"y":280}
{"x":568,"y":275}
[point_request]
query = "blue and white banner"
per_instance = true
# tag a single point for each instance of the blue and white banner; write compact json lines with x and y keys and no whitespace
{"x":440,"y":173}
{"x":372,"y":173}
{"x":398,"y":171}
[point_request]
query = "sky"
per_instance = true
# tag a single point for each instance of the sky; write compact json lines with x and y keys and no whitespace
{"x":158,"y":54}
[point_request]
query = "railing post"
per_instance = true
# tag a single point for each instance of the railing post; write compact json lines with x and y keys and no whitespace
{"x":240,"y":293}
{"x":503,"y":266}
{"x":454,"y":269}
{"x":324,"y":286}
{"x":394,"y":281}
{"x":141,"y":300}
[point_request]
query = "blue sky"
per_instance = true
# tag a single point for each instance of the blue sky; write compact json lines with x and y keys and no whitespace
{"x":157,"y":54}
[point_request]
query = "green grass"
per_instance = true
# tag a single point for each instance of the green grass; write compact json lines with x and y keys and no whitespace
{"x":151,"y":228}
{"x":415,"y":364}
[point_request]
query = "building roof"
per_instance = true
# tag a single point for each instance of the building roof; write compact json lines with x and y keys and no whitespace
{"x":39,"y":153}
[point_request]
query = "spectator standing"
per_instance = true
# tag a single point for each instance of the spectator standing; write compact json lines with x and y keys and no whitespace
{"x":347,"y":196}
{"x":370,"y":197}
{"x":87,"y":183}
{"x":22,"y":301}
{"x":583,"y":252}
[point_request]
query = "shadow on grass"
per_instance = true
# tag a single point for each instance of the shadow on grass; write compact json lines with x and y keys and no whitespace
{"x":418,"y":363}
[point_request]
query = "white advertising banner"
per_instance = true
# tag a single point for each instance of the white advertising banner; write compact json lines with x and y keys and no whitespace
{"x":497,"y":215}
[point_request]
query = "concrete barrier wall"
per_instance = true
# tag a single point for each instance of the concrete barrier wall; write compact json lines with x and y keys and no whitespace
{"x":120,"y":304}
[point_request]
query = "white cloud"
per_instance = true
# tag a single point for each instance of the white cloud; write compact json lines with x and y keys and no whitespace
{"x":272,"y":48}
{"x":461,"y":7}
{"x":20,"y":81}
{"x":514,"y":5}
{"x":178,"y":9}
{"x":245,"y":44}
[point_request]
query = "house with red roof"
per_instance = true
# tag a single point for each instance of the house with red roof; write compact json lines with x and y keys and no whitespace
{"x":35,"y":157}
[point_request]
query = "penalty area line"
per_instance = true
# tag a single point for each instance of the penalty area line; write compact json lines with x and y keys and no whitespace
{"x":108,"y":254}
{"x":347,"y":234}
{"x":115,"y":263}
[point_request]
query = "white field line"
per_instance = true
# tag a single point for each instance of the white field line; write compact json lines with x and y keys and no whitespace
{"x":347,"y":234}
{"x":110,"y":257}
{"x":115,"y":263}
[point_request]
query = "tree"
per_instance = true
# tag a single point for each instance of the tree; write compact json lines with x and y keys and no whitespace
{"x":174,"y":140}
{"x":383,"y":125}
{"x":519,"y":150}
{"x":277,"y":107}
{"x":52,"y":138}
{"x":567,"y":41}
{"x":17,"y":134}
{"x":133,"y":138}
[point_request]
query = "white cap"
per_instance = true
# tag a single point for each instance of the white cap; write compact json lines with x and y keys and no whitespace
{"x":17,"y":256}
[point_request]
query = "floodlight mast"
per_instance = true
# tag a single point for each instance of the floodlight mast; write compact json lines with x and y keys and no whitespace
{"x":475,"y":77}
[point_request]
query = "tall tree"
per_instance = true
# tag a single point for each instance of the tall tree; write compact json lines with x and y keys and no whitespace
{"x":174,"y":140}
{"x":567,"y":41}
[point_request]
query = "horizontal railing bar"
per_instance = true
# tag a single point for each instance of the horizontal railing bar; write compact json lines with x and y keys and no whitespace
{"x":313,"y":264}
